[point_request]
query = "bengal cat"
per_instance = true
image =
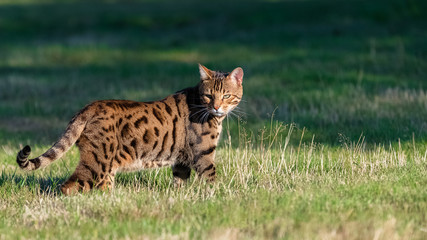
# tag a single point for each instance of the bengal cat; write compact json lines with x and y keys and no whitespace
{"x":181,"y":131}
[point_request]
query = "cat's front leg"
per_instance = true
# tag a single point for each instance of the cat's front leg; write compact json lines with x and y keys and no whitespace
{"x":180,"y":173}
{"x":204,"y":164}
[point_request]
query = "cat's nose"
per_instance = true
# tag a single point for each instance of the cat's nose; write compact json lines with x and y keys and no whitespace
{"x":216,"y":107}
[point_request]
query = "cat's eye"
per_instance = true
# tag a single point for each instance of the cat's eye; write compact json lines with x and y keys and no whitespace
{"x":208,"y":96}
{"x":226,"y":96}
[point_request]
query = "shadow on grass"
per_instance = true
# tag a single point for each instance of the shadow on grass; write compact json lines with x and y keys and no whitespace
{"x":159,"y":179}
{"x":49,"y":186}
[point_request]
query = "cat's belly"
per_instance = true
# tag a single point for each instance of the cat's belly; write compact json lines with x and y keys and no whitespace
{"x":145,"y":163}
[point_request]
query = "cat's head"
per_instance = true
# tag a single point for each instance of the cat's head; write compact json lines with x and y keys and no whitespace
{"x":220,"y":92}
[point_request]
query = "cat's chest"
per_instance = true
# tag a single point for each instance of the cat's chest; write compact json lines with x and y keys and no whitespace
{"x":207,"y":133}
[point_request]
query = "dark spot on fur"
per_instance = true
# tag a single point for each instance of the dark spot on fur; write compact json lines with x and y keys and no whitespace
{"x":146,"y":137}
{"x":140,"y":120}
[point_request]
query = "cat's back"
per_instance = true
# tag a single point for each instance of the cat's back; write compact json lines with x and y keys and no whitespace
{"x":162,"y":112}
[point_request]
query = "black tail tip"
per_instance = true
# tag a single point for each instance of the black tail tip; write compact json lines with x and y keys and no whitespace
{"x":26,"y":150}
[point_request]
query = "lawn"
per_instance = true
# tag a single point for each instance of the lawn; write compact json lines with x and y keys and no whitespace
{"x":332,"y":143}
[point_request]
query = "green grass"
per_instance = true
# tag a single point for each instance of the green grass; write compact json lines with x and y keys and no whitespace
{"x":333,"y":144}
{"x":262,"y":192}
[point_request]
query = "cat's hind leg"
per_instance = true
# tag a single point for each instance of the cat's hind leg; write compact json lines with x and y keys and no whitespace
{"x":88,"y":174}
{"x":81,"y":180}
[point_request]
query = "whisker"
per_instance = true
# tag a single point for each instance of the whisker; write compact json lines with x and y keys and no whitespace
{"x":203,"y":109}
{"x":198,"y":112}
{"x":238,"y":108}
{"x":238,"y":115}
{"x":229,"y":116}
{"x":239,"y":111}
{"x":203,"y":117}
{"x":207,"y":116}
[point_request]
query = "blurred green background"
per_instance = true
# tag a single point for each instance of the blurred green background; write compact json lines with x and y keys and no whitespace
{"x":339,"y":69}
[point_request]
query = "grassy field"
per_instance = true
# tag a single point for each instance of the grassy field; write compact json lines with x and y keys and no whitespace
{"x":332,"y":145}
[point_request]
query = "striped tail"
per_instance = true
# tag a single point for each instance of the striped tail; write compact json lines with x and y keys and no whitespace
{"x":70,"y":136}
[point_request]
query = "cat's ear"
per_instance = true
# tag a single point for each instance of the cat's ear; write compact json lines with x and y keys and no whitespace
{"x":205,"y":73}
{"x":237,"y":76}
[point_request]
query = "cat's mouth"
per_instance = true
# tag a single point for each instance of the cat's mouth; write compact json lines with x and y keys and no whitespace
{"x":217,"y":113}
